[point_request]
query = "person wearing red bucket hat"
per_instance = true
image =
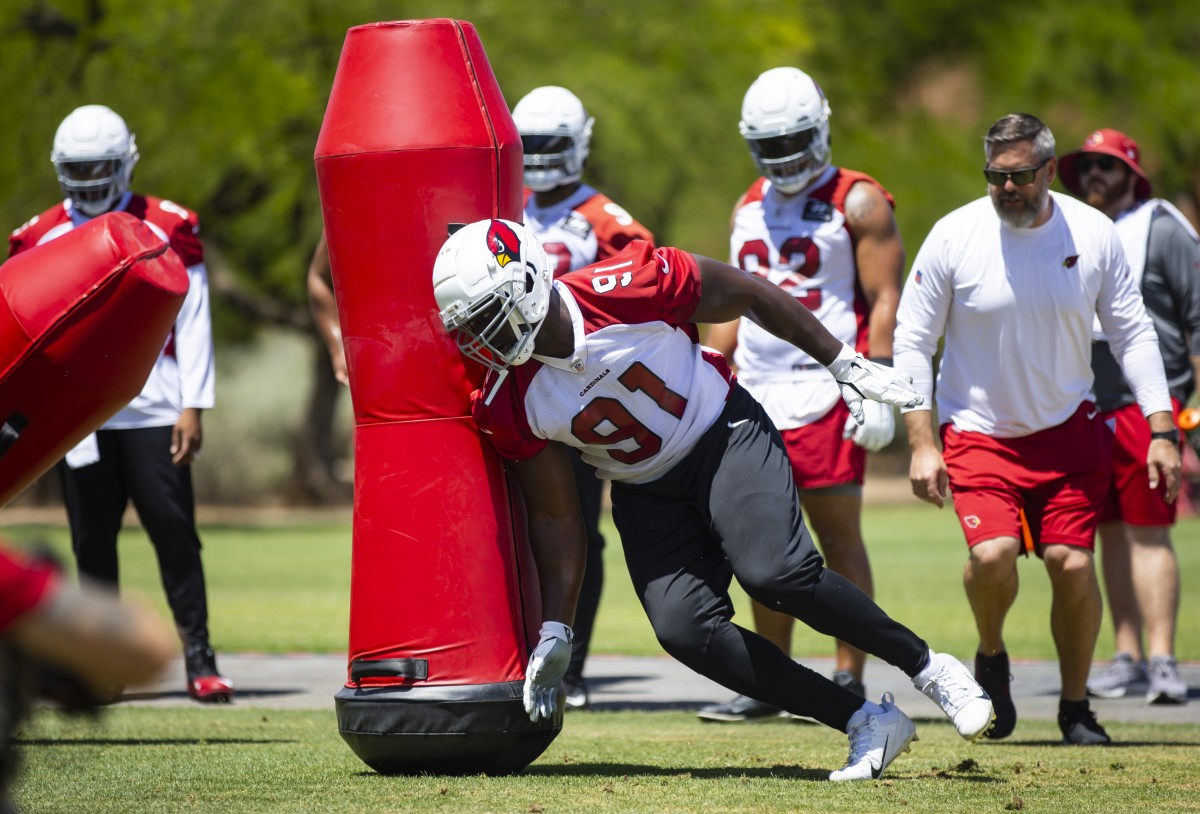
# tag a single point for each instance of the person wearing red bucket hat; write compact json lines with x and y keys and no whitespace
{"x":1141,"y":572}
{"x":1104,"y":142}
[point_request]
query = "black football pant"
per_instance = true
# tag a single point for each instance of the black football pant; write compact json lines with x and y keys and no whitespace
{"x":591,"y":490}
{"x":136,"y":465}
{"x":731,"y":509}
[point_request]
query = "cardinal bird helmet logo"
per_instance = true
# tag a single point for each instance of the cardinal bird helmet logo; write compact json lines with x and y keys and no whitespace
{"x":503,"y":243}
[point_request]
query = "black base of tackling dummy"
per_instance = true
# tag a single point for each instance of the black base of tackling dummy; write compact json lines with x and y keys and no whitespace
{"x":464,"y":729}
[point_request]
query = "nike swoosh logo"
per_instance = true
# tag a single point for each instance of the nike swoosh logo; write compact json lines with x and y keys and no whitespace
{"x":878,"y":773}
{"x":1092,"y":414}
{"x":733,"y":424}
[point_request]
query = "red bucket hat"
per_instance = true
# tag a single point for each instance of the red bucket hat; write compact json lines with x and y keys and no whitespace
{"x":1106,"y":142}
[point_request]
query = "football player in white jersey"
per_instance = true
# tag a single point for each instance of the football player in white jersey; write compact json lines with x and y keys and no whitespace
{"x":827,"y":236}
{"x":577,"y":226}
{"x":607,"y":360}
{"x":144,"y":453}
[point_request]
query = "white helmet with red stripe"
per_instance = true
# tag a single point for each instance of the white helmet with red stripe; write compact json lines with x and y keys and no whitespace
{"x":491,"y":280}
{"x":785,"y":121}
{"x":555,"y":134}
{"x":94,"y":155}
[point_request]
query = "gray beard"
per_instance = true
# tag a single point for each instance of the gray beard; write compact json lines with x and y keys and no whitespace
{"x":1026,"y":215}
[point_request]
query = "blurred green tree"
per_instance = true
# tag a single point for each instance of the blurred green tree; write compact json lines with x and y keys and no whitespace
{"x":227,"y":97}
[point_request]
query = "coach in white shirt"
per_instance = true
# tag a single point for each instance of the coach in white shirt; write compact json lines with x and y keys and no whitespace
{"x":1014,"y":281}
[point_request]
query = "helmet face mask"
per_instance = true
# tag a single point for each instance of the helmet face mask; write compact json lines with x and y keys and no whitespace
{"x":555,"y":136}
{"x":94,"y":155}
{"x":785,"y":121}
{"x":491,"y":280}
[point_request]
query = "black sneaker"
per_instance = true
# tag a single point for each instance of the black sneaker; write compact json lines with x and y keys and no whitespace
{"x":741,"y":708}
{"x":1080,"y":727}
{"x":845,"y":678}
{"x":992,"y":674}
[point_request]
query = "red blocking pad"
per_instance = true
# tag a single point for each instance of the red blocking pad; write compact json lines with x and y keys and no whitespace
{"x":82,"y":320}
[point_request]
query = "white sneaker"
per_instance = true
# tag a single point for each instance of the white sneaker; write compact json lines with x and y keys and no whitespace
{"x":875,"y":741}
{"x":959,"y":695}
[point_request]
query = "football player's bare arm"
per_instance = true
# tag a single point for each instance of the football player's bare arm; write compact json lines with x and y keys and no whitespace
{"x":727,"y":293}
{"x":556,"y":532}
{"x":103,"y":641}
{"x":879,"y":257}
{"x":324,"y":308}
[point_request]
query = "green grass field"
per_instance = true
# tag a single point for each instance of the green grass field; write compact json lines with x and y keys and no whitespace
{"x":285,"y":589}
{"x":278,"y":589}
{"x":246,"y":760}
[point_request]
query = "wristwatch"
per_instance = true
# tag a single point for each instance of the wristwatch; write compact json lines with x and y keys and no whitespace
{"x":1165,"y":435}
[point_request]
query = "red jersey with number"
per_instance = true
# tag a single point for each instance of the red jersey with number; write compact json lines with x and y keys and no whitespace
{"x":802,"y":244}
{"x":639,"y":389}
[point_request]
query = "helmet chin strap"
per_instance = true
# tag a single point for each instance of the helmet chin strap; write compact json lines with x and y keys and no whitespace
{"x":502,"y":373}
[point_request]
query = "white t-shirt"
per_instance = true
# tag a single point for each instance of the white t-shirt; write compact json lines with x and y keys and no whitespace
{"x":1016,"y":307}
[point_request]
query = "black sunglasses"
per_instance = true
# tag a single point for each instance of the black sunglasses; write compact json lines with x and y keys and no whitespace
{"x":1085,"y":163}
{"x":1021,"y":177}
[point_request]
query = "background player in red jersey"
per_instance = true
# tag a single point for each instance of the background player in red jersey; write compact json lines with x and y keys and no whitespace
{"x":144,"y":453}
{"x":607,"y":360}
{"x":577,"y":226}
{"x":828,"y":237}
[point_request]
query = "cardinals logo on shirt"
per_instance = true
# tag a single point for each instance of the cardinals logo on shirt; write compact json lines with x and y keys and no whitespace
{"x":1070,"y":262}
{"x":503,"y":243}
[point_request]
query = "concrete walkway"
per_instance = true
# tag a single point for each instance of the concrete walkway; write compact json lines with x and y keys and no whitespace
{"x":647,"y":683}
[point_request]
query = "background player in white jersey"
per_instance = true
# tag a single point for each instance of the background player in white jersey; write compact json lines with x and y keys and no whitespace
{"x":577,"y":226}
{"x":143,"y":453}
{"x":1014,"y":280}
{"x":606,"y":360}
{"x":1141,"y":573}
{"x":828,"y":237}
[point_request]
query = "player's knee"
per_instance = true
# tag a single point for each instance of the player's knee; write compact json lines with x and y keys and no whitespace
{"x":682,"y":636}
{"x":1070,"y":562}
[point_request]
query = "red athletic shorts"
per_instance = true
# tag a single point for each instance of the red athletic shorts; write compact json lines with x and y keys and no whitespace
{"x":1129,"y":497}
{"x":1056,"y":477}
{"x":820,"y":456}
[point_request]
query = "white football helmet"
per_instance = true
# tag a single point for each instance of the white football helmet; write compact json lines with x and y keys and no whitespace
{"x":555,"y":133}
{"x":94,"y":154}
{"x":785,"y":121}
{"x":491,"y":280}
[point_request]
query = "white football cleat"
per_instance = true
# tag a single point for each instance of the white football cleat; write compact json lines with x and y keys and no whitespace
{"x":875,"y":741}
{"x":956,"y":691}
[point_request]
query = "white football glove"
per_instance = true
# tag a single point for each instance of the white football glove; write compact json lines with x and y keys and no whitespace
{"x":862,"y":379}
{"x":547,"y":666}
{"x":878,"y":427}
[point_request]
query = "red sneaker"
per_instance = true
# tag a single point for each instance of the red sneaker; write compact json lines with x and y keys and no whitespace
{"x":204,"y":683}
{"x":211,"y":689}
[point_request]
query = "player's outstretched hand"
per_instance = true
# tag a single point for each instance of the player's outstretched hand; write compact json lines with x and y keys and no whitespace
{"x":862,"y":379}
{"x":877,"y":429}
{"x":547,"y":666}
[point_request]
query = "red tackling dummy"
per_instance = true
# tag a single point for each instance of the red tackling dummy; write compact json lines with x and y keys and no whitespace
{"x":443,"y":595}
